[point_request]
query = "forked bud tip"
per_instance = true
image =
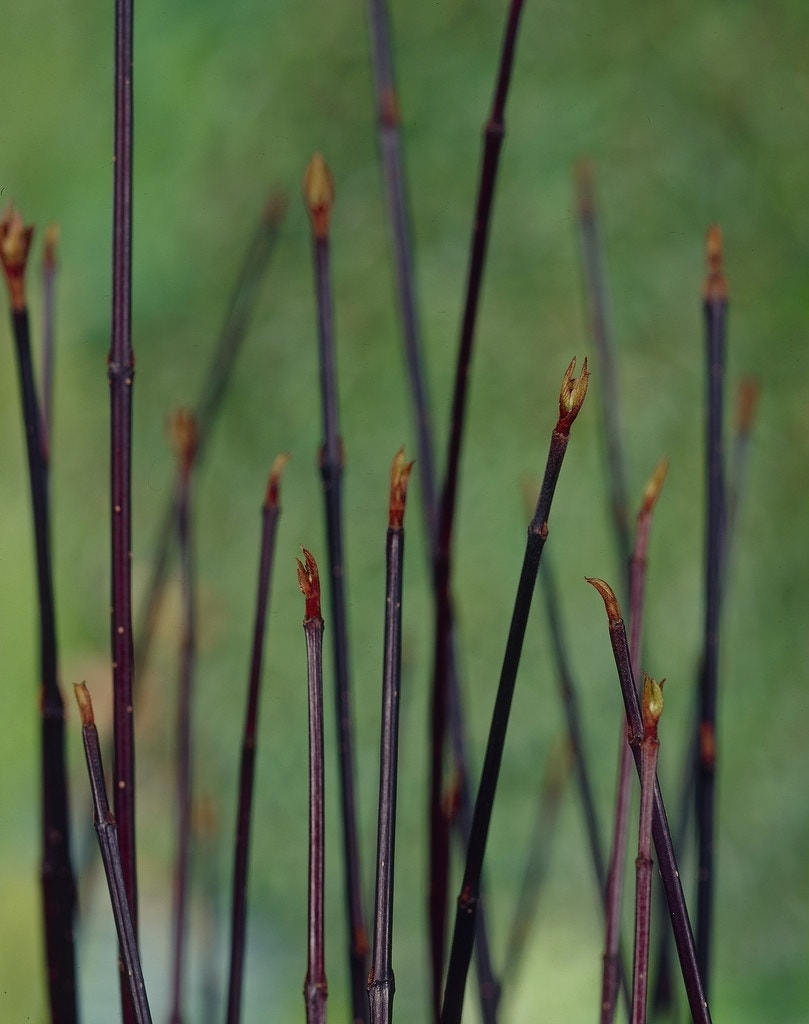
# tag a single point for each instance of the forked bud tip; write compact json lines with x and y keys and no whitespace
{"x":399,"y":475}
{"x":15,"y":243}
{"x":652,"y":704}
{"x":309,"y":582}
{"x":318,"y":191}
{"x":610,"y":600}
{"x":571,"y":395}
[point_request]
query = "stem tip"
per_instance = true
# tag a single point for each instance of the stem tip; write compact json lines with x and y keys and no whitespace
{"x":571,"y":395}
{"x":278,"y":465}
{"x":652,"y":705}
{"x":82,"y":695}
{"x":51,"y":243}
{"x":15,"y":243}
{"x":309,"y":582}
{"x":318,"y":192}
{"x":399,"y":475}
{"x":183,"y":437}
{"x":584,"y":174}
{"x":746,"y":404}
{"x":610,"y":600}
{"x":716,"y":287}
{"x":654,"y":485}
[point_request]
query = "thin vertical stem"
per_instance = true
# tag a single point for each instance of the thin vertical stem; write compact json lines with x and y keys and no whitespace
{"x":393,"y":174}
{"x":56,"y":869}
{"x":241,"y":305}
{"x":571,"y":397}
{"x":595,"y":290}
{"x":315,"y":986}
{"x":649,"y":747}
{"x":107,"y":832}
{"x":623,"y":789}
{"x":381,"y":982}
{"x":121,"y":371}
{"x":666,"y":857}
{"x":49,"y":272}
{"x":439,"y":839}
{"x":746,"y":401}
{"x":183,"y":433}
{"x":319,"y":196}
{"x":238,"y":929}
{"x":715,"y":311}
{"x":568,"y":691}
{"x":555,"y":779}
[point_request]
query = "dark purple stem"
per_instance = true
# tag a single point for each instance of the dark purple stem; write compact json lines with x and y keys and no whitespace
{"x":331,"y":469}
{"x":643,"y":873}
{"x":381,"y":981}
{"x":666,"y":857}
{"x":715,"y":311}
{"x":623,"y":789}
{"x":121,"y":368}
{"x":183,"y":751}
{"x":58,"y":882}
{"x":595,"y":290}
{"x":463,"y":938}
{"x":439,"y":833}
{"x":270,"y":513}
{"x":107,"y":832}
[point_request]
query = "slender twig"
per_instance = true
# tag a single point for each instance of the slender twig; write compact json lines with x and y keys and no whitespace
{"x":596,"y":295}
{"x":571,"y":398}
{"x":107,"y":831}
{"x":270,"y":512}
{"x":241,"y":305}
{"x":558,"y":768}
{"x":315,"y":988}
{"x":439,"y":838}
{"x":746,"y":403}
{"x":568,"y":690}
{"x":318,"y":190}
{"x":623,"y":789}
{"x":205,"y":821}
{"x":649,"y":746}
{"x":390,"y":153}
{"x":121,"y":372}
{"x":666,"y":857}
{"x":57,"y":879}
{"x":715,"y":301}
{"x":49,"y":270}
{"x":381,"y":983}
{"x":390,"y":149}
{"x":746,"y":406}
{"x":183,"y":436}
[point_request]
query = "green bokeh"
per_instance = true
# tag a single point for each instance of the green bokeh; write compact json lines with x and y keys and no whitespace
{"x":692,"y":113}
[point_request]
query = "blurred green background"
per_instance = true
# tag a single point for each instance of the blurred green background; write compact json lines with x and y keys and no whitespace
{"x":693,"y":113}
